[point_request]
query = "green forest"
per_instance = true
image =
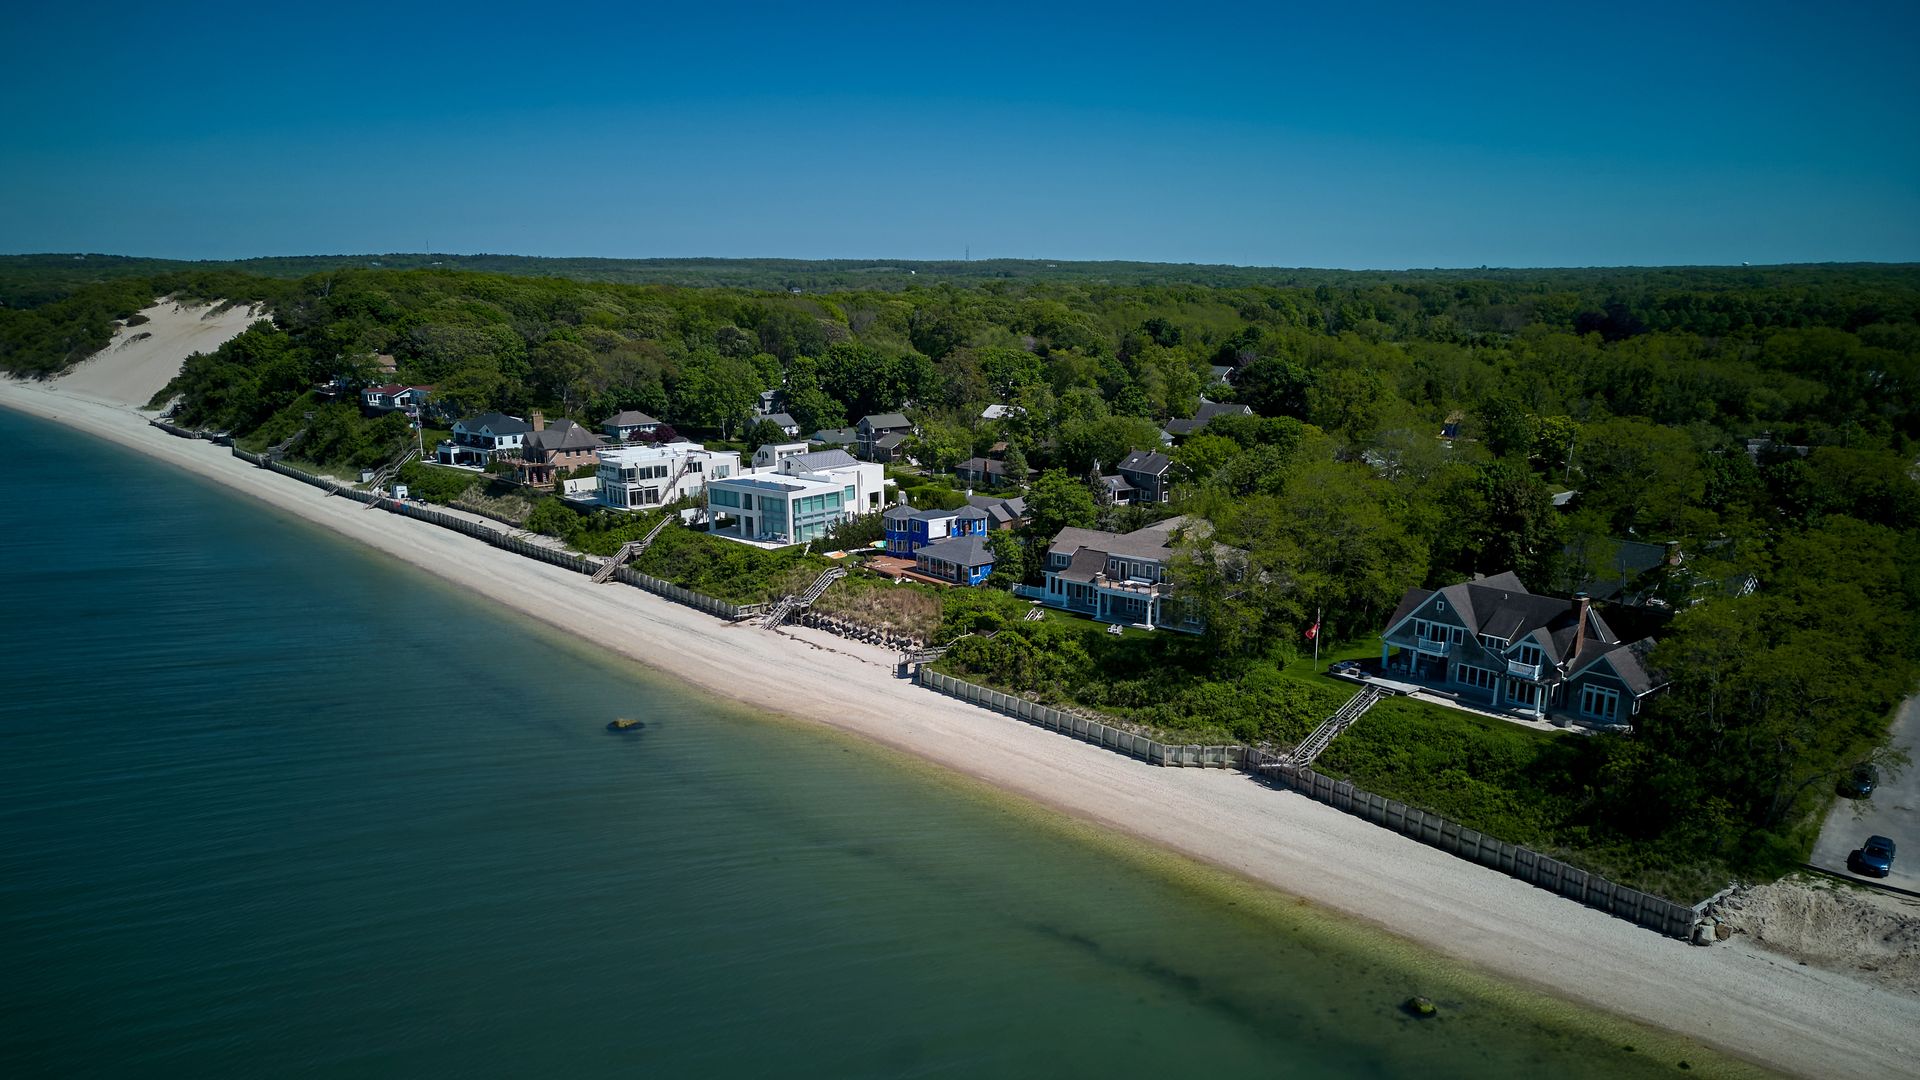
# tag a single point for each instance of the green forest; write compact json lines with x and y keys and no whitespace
{"x":1765,"y":419}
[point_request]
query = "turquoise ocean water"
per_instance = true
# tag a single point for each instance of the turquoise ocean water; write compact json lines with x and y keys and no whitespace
{"x":270,"y":804}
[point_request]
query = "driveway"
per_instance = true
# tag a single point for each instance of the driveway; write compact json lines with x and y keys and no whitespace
{"x":1894,"y":812}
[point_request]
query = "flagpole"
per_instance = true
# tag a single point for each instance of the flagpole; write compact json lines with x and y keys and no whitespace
{"x":1317,"y":612}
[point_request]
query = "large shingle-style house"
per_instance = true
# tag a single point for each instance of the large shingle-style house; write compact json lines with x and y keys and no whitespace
{"x":1494,"y":645}
{"x":1001,"y":513}
{"x":960,"y":560}
{"x":1202,"y":417}
{"x":1117,"y":578}
{"x":797,"y":500}
{"x":909,"y":530}
{"x":479,"y":439}
{"x":881,"y":435}
{"x":636,"y":477}
{"x":548,"y":451}
{"x":1146,"y":472}
{"x":622,"y":426}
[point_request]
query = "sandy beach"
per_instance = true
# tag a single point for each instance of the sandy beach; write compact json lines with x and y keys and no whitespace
{"x":1759,"y":1006}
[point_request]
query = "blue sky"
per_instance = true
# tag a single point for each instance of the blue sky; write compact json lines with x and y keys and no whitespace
{"x":1378,"y":136}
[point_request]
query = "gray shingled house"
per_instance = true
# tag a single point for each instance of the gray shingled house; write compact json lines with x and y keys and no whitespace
{"x":1493,"y":645}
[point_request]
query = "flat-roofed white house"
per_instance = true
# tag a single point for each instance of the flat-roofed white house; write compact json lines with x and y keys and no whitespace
{"x":771,"y":454}
{"x":636,"y":477}
{"x":797,"y":500}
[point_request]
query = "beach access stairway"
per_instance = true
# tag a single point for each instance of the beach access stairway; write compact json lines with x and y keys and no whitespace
{"x":1322,"y":737}
{"x":279,"y":449}
{"x":391,"y":469}
{"x":632,"y":549}
{"x":790,"y":604}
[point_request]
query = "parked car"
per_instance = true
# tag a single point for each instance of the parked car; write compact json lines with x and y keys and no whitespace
{"x":1860,"y":783}
{"x":1874,"y":859}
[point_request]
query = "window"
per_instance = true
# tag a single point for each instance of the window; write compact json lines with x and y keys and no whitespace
{"x":1491,"y":642}
{"x":1599,"y":702}
{"x":1529,"y":654}
{"x":1468,"y":675}
{"x":1523,"y":693}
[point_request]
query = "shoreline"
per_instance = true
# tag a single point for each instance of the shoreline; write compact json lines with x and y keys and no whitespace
{"x":1750,"y":1004}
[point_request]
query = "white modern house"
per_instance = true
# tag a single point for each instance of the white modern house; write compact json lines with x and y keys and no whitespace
{"x":771,"y":454}
{"x":796,"y":500}
{"x":636,"y":477}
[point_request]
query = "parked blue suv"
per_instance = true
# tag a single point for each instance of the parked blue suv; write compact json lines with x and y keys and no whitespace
{"x":1875,"y":857}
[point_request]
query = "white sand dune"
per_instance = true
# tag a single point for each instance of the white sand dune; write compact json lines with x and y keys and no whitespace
{"x":1733,"y":996}
{"x":142,"y":359}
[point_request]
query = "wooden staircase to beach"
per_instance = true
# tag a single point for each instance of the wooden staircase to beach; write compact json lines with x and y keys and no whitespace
{"x":780,"y":612}
{"x":1316,"y":743}
{"x":632,"y":549}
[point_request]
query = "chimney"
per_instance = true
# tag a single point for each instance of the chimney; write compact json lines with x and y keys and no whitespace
{"x":1580,"y":603}
{"x":539,"y":420}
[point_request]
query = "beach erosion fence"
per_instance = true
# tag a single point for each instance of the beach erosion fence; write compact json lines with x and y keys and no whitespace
{"x":507,"y":541}
{"x":1543,"y":871}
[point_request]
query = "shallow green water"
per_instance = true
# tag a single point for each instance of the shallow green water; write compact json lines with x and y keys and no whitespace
{"x":269,"y":804}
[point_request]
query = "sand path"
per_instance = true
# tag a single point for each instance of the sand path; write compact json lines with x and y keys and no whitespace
{"x":1733,"y":996}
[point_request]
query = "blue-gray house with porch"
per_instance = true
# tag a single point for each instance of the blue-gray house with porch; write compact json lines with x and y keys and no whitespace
{"x":1492,"y":645}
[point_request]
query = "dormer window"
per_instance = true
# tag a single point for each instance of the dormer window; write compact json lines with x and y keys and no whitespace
{"x":1491,"y":642}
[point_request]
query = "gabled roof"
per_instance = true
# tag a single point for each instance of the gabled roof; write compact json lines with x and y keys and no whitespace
{"x":844,"y":436}
{"x":1204,"y":415}
{"x":1146,"y":461}
{"x":890,"y":441}
{"x":884,"y":420}
{"x":1501,"y":607}
{"x":628,"y":418}
{"x":1148,"y":543}
{"x":820,"y":460}
{"x":1000,"y":510}
{"x":969,"y":551}
{"x":970,"y":513}
{"x":563,"y":435}
{"x":781,"y":419}
{"x":498,"y":423}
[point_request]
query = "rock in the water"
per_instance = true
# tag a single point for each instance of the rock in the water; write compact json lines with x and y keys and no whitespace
{"x":625,"y":724}
{"x":1424,"y":1008}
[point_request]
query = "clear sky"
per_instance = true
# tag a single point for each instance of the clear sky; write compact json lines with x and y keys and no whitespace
{"x":1330,"y":135}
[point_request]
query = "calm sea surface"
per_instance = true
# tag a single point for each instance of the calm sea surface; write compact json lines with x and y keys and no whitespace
{"x":270,"y":804}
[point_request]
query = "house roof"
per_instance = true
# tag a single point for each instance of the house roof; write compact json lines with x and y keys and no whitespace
{"x":1116,"y":484}
{"x":1204,"y":415}
{"x":970,"y":550}
{"x":1149,"y":543}
{"x":1087,"y":562}
{"x":498,"y":423}
{"x":1000,"y":510}
{"x":563,"y":435}
{"x":822,"y":460}
{"x":841,"y":435}
{"x":1146,"y":461}
{"x":1500,"y":606}
{"x":890,"y":441}
{"x":884,"y":420}
{"x":629,"y":418}
{"x":1000,"y":412}
{"x":781,"y":419}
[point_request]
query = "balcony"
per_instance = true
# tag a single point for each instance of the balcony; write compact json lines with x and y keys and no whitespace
{"x":1126,"y":585}
{"x":1523,"y":671}
{"x":1432,"y":646}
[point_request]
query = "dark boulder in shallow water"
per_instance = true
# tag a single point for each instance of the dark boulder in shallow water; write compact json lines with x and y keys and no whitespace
{"x":625,"y":724}
{"x":1424,"y":1008}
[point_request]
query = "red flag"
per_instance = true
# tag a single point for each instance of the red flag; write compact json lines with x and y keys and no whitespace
{"x":1313,"y":631}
